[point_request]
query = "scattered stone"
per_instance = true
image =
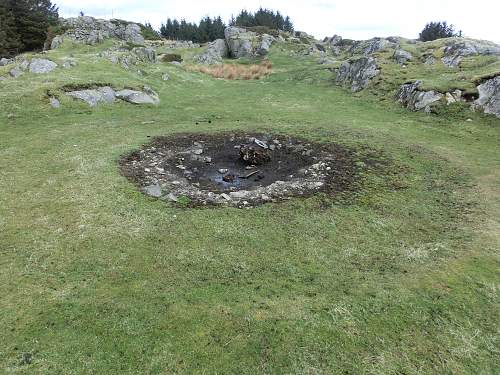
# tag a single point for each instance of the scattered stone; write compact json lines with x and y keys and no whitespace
{"x":15,"y":72}
{"x":172,"y":197}
{"x":42,"y":66}
{"x":54,"y":102}
{"x":153,"y":190}
{"x":165,"y":77}
{"x":56,"y":42}
{"x":357,"y":73}
{"x":489,"y":96}
{"x":223,"y":170}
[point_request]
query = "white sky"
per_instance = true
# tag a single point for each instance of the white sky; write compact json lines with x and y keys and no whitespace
{"x":352,"y":19}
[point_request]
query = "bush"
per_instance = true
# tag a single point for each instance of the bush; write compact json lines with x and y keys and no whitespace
{"x":170,"y":57}
{"x":437,"y":30}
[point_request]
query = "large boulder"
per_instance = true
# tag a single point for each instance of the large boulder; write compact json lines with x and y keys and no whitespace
{"x":414,"y":99}
{"x":458,"y":48}
{"x":4,"y":61}
{"x":148,"y":96}
{"x":244,"y":43}
{"x":216,"y":51}
{"x":145,"y":54}
{"x":89,"y":30}
{"x":42,"y":66}
{"x":489,"y":96}
{"x":402,"y":56}
{"x":368,"y":47}
{"x":94,"y":96}
{"x":357,"y":73}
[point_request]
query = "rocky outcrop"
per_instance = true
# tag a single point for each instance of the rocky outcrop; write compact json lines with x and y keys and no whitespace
{"x":244,"y":43}
{"x":357,"y":73}
{"x":107,"y":94}
{"x":489,"y":96}
{"x":414,"y":99}
{"x":89,"y":30}
{"x":127,"y":58}
{"x":216,"y":51}
{"x":368,"y":47}
{"x":335,"y":44}
{"x":458,"y":48}
{"x":402,"y":56}
{"x":42,"y":66}
{"x":4,"y":61}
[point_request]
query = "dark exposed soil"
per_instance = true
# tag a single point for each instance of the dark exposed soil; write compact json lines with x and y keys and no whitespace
{"x":209,"y":169}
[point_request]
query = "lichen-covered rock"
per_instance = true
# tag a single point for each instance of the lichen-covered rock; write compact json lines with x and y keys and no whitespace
{"x":42,"y":66}
{"x":56,"y":42}
{"x":216,"y":51}
{"x":458,"y":48}
{"x":402,"y":56}
{"x":4,"y":61}
{"x":489,"y":96}
{"x":368,"y":47}
{"x":147,"y":96}
{"x":335,"y":44}
{"x":357,"y":73}
{"x":89,"y":30}
{"x":265,"y":45}
{"x":145,"y":54}
{"x":414,"y":99}
{"x":244,"y":43}
{"x":15,"y":72}
{"x":94,"y":96}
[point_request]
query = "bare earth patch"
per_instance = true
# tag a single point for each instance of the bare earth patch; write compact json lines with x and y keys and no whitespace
{"x":239,"y":169}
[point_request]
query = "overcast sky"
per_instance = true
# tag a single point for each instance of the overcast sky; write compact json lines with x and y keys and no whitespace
{"x":352,"y":19}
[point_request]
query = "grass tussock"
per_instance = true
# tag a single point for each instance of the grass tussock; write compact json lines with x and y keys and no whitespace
{"x":237,"y":71}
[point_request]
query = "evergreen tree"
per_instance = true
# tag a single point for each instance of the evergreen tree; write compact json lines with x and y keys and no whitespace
{"x":32,"y":20}
{"x":437,"y":30}
{"x":288,"y":25}
{"x":10,"y":41}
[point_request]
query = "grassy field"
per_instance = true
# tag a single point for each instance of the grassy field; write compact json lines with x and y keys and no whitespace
{"x":96,"y":278}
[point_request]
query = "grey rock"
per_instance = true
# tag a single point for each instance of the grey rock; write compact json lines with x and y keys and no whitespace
{"x":54,"y":102}
{"x":240,"y":42}
{"x":56,"y":42}
{"x":489,"y":96}
{"x":94,"y":96}
{"x":165,"y":77}
{"x":153,"y":190}
{"x":414,"y":99}
{"x":145,"y":54}
{"x":42,"y":66}
{"x":138,"y":97}
{"x":265,"y":45}
{"x":458,"y":48}
{"x":4,"y":61}
{"x":429,"y":60}
{"x":24,"y":65}
{"x":368,"y":47}
{"x":89,"y":30}
{"x":402,"y":56}
{"x":216,"y":51}
{"x":16,"y":72}
{"x":453,"y":97}
{"x":357,"y":73}
{"x":326,"y":61}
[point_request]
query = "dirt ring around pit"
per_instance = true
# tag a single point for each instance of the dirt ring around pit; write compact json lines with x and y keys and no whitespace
{"x":239,"y":169}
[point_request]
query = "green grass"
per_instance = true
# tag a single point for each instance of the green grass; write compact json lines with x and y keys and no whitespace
{"x":399,"y":278}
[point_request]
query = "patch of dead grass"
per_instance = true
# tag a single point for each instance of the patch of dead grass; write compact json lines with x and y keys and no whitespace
{"x":237,"y":71}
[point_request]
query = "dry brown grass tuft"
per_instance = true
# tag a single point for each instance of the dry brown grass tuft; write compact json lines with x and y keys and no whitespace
{"x":237,"y":71}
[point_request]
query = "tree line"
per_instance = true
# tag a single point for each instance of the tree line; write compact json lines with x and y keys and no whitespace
{"x":24,"y":25}
{"x":438,"y":30}
{"x":209,"y":29}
